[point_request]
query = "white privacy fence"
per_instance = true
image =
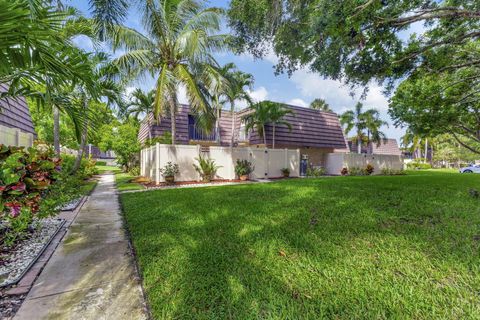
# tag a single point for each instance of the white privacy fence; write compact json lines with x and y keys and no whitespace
{"x":268,"y":163}
{"x":336,"y":161}
{"x":15,"y":137}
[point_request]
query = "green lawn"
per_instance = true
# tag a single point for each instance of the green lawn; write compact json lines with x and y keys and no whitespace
{"x":102,"y":169}
{"x":343,"y":247}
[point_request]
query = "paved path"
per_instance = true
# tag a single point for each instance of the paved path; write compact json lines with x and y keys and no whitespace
{"x":91,"y":275}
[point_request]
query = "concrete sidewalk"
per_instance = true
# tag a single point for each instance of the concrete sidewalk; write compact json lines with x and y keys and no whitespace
{"x":91,"y":275}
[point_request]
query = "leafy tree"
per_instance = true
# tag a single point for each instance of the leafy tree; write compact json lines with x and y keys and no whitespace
{"x":432,"y":104}
{"x":362,"y":121}
{"x":357,"y":41}
{"x":122,"y":138}
{"x":181,"y":35}
{"x":320,"y":104}
{"x":236,"y":90}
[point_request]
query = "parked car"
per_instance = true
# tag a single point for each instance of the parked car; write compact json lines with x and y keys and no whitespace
{"x":472,"y":168}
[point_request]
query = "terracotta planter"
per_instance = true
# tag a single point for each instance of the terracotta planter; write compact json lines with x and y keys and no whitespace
{"x":244,"y":178}
{"x":170,"y":179}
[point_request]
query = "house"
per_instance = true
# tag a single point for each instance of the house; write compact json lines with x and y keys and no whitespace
{"x":386,"y":147}
{"x":16,"y":126}
{"x":315,"y":133}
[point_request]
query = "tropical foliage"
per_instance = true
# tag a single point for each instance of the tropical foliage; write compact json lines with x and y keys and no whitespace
{"x":177,"y":50}
{"x":266,"y":112}
{"x":206,"y":168}
{"x":366,"y":123}
{"x":320,"y":104}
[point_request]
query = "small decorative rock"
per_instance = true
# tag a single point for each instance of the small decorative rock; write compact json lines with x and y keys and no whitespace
{"x":15,"y":262}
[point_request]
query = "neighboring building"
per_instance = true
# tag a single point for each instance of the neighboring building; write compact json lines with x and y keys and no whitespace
{"x":16,"y":126}
{"x":387,"y":147}
{"x":316,"y":133}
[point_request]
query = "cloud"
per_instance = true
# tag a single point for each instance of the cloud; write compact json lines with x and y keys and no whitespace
{"x":298,"y":102}
{"x":337,"y":95}
{"x":258,"y":95}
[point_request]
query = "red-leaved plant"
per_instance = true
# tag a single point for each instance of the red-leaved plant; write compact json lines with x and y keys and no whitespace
{"x":25,"y":177}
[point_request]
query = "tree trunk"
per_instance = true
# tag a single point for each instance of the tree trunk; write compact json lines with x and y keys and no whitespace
{"x":217,"y":124}
{"x":232,"y":110}
{"x":359,"y":143}
{"x":173,"y":109}
{"x":273,"y":135}
{"x":56,"y":130}
{"x":83,"y":139}
{"x":264,"y":136}
{"x":426,"y":149}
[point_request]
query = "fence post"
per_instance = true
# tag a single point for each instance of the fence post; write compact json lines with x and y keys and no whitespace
{"x":157,"y":163}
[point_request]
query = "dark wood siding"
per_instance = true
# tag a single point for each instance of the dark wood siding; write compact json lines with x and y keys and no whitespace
{"x":14,"y":113}
{"x":310,"y":128}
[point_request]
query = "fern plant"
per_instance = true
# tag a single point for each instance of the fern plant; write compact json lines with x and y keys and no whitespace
{"x":207,"y":168}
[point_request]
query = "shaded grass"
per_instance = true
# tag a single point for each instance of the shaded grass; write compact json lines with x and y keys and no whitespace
{"x":340,"y":247}
{"x":124,"y":182}
{"x":102,"y":169}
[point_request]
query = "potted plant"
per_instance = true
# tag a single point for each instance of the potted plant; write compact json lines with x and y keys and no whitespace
{"x":243,"y":168}
{"x":285,"y":172}
{"x":206,"y":167}
{"x":169,"y":172}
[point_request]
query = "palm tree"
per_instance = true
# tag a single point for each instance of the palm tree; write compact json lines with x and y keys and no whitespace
{"x":373,"y":124}
{"x":181,"y":36}
{"x":360,"y":121}
{"x":413,"y":142}
{"x":141,"y":103}
{"x":277,"y":113}
{"x":84,"y":96}
{"x":236,"y":91}
{"x":320,"y":104}
{"x":257,"y":119}
{"x":263,"y":113}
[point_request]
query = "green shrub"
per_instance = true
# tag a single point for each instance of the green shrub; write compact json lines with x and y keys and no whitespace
{"x":392,"y":172}
{"x":316,"y":172}
{"x":285,"y":172}
{"x":243,"y":168}
{"x":170,"y":169}
{"x":207,"y":168}
{"x":356,"y":171}
{"x":416,"y":165}
{"x":87,"y":166}
{"x":101,"y":163}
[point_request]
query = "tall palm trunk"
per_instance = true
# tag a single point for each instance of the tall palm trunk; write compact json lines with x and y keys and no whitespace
{"x":273,"y":135}
{"x":232,"y":110}
{"x":83,"y":138}
{"x":173,"y":109}
{"x":56,"y":130}
{"x":359,"y":142}
{"x":264,"y":136}
{"x":217,"y":122}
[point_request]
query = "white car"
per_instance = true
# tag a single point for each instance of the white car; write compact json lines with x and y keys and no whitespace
{"x":472,"y":168}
